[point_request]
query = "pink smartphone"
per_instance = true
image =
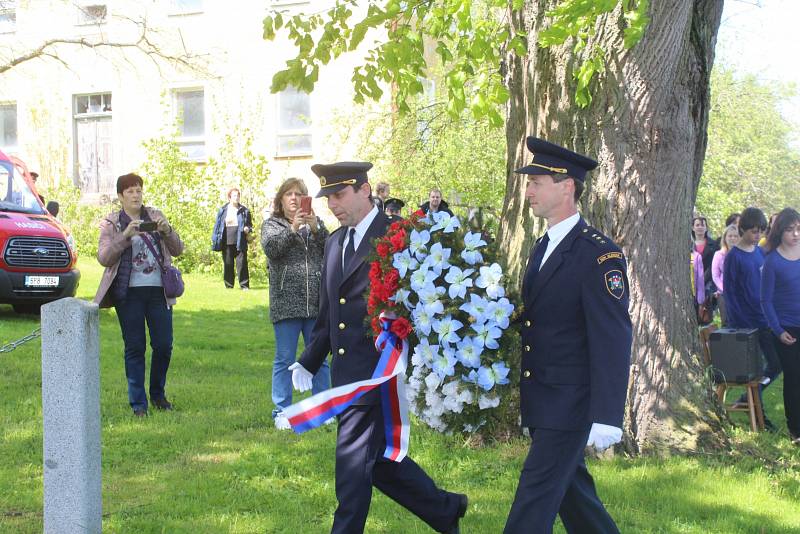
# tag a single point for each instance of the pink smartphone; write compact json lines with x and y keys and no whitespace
{"x":305,"y":204}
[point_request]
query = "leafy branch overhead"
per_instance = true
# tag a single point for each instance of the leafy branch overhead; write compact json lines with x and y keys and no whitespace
{"x":468,"y":38}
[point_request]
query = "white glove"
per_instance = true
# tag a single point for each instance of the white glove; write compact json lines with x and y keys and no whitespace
{"x":603,"y":436}
{"x":301,"y":378}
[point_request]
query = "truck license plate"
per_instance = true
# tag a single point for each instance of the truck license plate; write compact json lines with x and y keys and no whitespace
{"x":41,"y":281}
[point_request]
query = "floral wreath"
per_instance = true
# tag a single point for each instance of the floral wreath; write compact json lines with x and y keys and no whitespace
{"x":440,"y":283}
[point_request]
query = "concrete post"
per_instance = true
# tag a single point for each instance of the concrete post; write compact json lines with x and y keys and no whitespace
{"x":71,"y":413}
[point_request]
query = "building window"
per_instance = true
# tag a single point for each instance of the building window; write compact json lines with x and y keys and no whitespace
{"x":98,"y":103}
{"x":294,"y":123}
{"x":185,"y":7}
{"x":8,"y":126}
{"x":91,"y":14}
{"x":8,"y":16}
{"x":191,"y":118}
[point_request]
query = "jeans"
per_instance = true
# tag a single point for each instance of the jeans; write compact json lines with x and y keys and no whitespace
{"x":287,"y":333}
{"x":145,"y":304}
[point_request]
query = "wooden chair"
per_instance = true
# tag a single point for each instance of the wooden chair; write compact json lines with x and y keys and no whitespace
{"x":753,"y":404}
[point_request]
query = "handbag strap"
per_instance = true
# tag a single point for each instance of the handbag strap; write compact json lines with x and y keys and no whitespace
{"x":147,"y":242}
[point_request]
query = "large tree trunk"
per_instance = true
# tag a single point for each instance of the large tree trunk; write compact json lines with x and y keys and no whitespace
{"x":647,"y":128}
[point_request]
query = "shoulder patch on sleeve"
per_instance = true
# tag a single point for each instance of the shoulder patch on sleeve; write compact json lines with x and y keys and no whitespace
{"x":615,"y":283}
{"x":609,"y":256}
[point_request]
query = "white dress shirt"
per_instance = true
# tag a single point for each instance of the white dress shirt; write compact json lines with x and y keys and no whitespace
{"x":361,"y":231}
{"x":557,"y":233}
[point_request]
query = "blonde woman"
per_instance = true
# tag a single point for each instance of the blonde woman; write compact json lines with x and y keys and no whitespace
{"x":729,"y":239}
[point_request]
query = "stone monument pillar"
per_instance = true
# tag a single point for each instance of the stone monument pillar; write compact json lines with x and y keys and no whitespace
{"x":71,"y":413}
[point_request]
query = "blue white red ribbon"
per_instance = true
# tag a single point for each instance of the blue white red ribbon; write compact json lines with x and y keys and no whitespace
{"x":389,"y":375}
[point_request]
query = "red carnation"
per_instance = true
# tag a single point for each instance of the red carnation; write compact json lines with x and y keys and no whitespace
{"x":382,"y":249}
{"x":398,"y":240}
{"x":419,"y":213}
{"x":401,"y":327}
{"x":375,"y":273}
{"x":391,"y":280}
{"x":395,"y":226}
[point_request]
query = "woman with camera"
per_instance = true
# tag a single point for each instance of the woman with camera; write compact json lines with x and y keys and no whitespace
{"x":135,"y":242}
{"x":293,"y":239}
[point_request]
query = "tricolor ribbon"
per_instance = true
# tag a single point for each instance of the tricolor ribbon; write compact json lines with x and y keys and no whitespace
{"x":389,"y":375}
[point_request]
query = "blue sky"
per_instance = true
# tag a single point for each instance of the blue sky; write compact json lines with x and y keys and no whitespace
{"x":762,"y":37}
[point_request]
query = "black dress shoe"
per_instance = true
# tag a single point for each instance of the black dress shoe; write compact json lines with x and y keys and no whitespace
{"x":463,"y":503}
{"x":140,"y":412}
{"x":161,"y":404}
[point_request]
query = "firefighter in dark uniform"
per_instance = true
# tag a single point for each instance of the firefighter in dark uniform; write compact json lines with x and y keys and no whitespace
{"x":393,"y":208}
{"x":340,"y":330}
{"x":576,"y":343}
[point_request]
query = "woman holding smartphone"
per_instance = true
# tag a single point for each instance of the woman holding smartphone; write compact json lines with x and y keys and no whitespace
{"x":293,"y":239}
{"x":780,"y":300}
{"x":132,"y":242}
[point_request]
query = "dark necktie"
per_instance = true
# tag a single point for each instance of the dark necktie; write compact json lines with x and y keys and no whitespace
{"x":350,"y":249}
{"x":538,"y":254}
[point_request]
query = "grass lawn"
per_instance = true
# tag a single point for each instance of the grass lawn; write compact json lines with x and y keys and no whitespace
{"x":216,"y":464}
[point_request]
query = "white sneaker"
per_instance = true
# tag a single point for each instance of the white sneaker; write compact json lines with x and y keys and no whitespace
{"x":282,"y":422}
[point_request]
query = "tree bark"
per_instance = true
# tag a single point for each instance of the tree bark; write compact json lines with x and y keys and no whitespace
{"x":646,"y":126}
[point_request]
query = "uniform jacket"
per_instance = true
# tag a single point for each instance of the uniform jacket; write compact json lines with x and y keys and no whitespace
{"x":112,"y":245}
{"x":576,"y":335}
{"x":295,"y":269}
{"x":245,"y":221}
{"x":340,"y":328}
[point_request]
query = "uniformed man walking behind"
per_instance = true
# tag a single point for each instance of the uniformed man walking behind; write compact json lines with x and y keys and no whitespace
{"x":340,"y":330}
{"x":576,"y":342}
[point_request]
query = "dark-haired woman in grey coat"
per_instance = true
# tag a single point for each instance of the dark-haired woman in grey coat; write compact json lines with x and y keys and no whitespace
{"x":293,"y":242}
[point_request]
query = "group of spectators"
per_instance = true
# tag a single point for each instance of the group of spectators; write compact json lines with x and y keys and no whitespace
{"x":752,"y":276}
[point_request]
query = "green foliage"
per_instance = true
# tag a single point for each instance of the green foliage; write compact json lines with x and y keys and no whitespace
{"x":750,"y":159}
{"x":576,"y":19}
{"x":190,"y":195}
{"x":426,"y":148}
{"x":470,"y":38}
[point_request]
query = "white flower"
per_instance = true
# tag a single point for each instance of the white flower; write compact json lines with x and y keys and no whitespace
{"x":469,"y":352}
{"x":444,"y":363}
{"x":438,"y":258}
{"x":418,"y":243}
{"x":445,"y":222}
{"x":459,"y":281}
{"x":484,"y":401}
{"x":422,"y":277}
{"x":422,"y":319}
{"x":472,"y":241}
{"x":424,"y":353}
{"x":487,"y":334}
{"x":453,"y":404}
{"x":402,"y":295}
{"x":490,"y":280}
{"x":430,"y":297}
{"x":403,"y":261}
{"x":466,"y":396}
{"x":447,"y":328}
{"x":450,"y":388}
{"x":500,"y":312}
{"x":476,"y":307}
{"x":432,"y":381}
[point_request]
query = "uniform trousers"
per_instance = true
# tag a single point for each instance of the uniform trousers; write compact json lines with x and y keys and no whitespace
{"x":360,"y":464}
{"x":555,"y":480}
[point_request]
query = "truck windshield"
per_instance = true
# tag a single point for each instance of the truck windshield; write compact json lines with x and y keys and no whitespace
{"x":15,"y":195}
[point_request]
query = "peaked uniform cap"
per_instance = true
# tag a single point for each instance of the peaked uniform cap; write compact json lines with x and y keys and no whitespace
{"x":393,"y":204}
{"x":335,"y":176}
{"x":549,"y":158}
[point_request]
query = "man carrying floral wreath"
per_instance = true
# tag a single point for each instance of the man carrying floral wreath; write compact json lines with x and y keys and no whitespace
{"x":340,"y":330}
{"x":576,"y":342}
